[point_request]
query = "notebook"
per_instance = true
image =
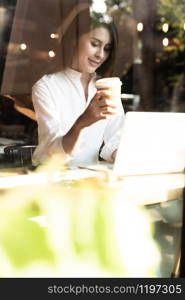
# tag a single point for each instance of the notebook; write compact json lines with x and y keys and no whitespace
{"x":151,"y":143}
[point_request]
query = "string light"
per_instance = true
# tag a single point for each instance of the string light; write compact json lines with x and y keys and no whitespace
{"x":165,"y":42}
{"x":51,"y":53}
{"x":23,"y":46}
{"x":54,"y":36}
{"x":140,"y":26}
{"x":165,"y":27}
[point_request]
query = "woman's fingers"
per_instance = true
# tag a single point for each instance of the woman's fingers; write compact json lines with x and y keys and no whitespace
{"x":100,"y":110}
{"x":109,"y":110}
{"x":107,"y":103}
{"x":104,"y":94}
{"x":108,"y":106}
{"x":101,"y":107}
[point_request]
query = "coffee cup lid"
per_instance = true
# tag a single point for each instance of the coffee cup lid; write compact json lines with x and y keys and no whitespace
{"x":109,"y":81}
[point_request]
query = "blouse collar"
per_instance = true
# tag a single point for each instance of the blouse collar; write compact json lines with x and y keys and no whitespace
{"x":77,"y":75}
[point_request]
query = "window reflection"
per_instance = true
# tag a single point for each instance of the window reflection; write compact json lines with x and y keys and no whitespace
{"x":34,"y":40}
{"x":150,"y":58}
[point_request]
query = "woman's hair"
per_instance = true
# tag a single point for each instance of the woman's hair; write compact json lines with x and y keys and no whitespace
{"x":80,"y":25}
{"x":106,"y":68}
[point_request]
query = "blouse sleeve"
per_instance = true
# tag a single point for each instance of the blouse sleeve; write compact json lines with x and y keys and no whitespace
{"x":112,"y":135}
{"x":50,"y":129}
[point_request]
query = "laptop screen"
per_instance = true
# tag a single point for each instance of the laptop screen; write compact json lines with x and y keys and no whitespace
{"x":151,"y":142}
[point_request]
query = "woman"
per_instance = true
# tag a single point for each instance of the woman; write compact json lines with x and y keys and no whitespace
{"x":73,"y":118}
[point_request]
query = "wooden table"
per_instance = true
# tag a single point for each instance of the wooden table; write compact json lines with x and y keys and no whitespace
{"x":141,"y":190}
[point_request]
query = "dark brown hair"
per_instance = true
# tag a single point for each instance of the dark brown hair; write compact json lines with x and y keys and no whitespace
{"x":106,"y":68}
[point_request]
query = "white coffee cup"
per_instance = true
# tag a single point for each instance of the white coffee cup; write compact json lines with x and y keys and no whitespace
{"x":112,"y":84}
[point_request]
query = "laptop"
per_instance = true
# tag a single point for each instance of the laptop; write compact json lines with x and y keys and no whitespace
{"x":151,"y":143}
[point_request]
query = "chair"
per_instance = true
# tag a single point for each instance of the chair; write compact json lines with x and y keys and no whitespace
{"x":21,"y":155}
{"x":23,"y":104}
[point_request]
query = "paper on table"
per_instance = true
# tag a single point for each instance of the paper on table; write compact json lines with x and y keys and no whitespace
{"x":6,"y":142}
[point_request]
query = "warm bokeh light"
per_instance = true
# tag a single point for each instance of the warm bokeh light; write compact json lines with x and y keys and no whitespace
{"x":165,"y":42}
{"x":23,"y":46}
{"x":54,"y":36}
{"x":140,"y":26}
{"x":99,"y":6}
{"x":165,"y":27}
{"x":51,"y":53}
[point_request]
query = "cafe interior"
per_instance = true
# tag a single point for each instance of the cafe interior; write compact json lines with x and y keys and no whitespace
{"x":90,"y":221}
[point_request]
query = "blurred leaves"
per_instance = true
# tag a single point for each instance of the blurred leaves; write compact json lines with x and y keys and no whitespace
{"x":24,"y":241}
{"x":172,"y":11}
{"x":89,"y":230}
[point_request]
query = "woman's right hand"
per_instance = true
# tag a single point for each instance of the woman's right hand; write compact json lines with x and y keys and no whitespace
{"x":101,"y":107}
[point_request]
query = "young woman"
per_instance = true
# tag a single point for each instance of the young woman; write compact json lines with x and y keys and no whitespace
{"x":73,"y":117}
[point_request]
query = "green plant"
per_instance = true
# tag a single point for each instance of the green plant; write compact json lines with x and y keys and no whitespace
{"x":90,"y":230}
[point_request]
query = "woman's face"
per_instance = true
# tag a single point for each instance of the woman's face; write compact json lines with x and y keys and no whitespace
{"x":93,"y":50}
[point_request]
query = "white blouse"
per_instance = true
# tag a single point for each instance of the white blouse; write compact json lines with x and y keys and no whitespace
{"x":59,"y":100}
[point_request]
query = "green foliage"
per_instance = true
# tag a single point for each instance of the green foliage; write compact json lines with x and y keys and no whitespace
{"x":172,"y":11}
{"x":121,"y":6}
{"x":24,"y":241}
{"x":91,"y":230}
